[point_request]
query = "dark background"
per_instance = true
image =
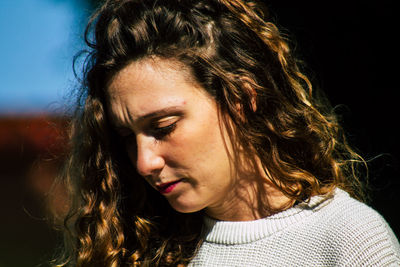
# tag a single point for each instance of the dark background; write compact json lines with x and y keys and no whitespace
{"x":352,"y":49}
{"x":351,"y":52}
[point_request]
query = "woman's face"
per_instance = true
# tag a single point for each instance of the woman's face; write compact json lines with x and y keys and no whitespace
{"x":173,"y":134}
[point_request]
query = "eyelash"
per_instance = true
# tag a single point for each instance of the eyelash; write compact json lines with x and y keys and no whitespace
{"x":162,"y":132}
{"x":159,"y":133}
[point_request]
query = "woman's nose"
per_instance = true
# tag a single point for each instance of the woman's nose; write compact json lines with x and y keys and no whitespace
{"x":149,"y":161}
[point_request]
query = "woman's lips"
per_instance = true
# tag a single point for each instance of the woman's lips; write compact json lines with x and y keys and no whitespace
{"x":166,"y":188}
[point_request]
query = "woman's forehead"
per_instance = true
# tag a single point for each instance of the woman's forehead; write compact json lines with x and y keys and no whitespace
{"x":145,"y":87}
{"x":147,"y":69}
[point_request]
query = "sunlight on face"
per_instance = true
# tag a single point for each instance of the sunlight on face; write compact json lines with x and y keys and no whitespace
{"x":173,"y":134}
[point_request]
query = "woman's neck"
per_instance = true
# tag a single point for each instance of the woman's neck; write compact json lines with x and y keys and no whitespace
{"x":250,"y":200}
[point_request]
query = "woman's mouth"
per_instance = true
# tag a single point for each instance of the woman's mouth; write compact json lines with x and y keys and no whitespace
{"x":166,"y":188}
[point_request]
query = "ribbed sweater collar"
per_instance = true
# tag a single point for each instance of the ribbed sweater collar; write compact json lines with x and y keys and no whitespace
{"x":241,"y":232}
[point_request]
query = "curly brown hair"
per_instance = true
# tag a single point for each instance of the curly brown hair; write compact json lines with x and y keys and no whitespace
{"x":241,"y":59}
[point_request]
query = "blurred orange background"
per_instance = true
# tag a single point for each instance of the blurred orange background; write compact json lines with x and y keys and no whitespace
{"x":31,"y":152}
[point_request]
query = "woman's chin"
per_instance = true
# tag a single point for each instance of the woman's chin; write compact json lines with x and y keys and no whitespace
{"x":184,"y":207}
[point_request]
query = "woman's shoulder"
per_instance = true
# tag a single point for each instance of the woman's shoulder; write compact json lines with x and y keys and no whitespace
{"x":350,"y":227}
{"x":339,"y":208}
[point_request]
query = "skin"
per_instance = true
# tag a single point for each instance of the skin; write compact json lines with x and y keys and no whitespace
{"x":173,"y":134}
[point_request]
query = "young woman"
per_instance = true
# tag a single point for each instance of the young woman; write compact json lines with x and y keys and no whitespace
{"x":199,"y":142}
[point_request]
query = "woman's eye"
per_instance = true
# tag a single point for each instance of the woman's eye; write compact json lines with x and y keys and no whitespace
{"x":162,"y":127}
{"x":162,"y":132}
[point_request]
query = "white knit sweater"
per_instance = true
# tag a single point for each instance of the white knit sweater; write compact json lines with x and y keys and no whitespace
{"x":328,"y":231}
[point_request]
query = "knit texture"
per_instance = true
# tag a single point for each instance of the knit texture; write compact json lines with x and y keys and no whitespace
{"x":334,"y":230}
